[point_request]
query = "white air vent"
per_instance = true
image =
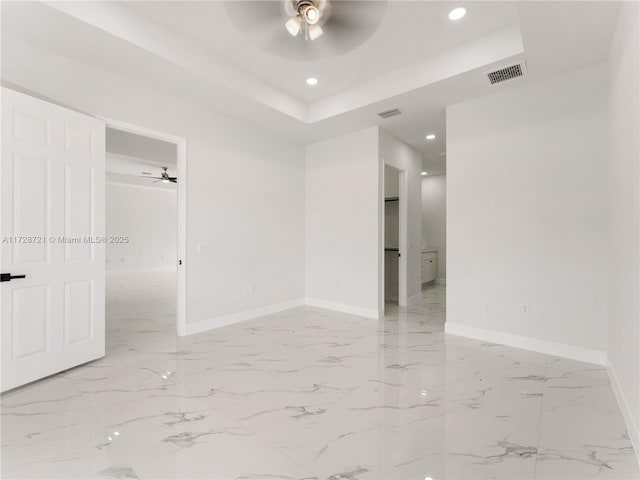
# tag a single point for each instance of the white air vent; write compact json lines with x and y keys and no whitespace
{"x":389,"y":113}
{"x":508,"y":72}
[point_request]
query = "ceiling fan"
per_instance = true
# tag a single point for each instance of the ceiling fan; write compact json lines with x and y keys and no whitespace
{"x":323,"y":28}
{"x":305,"y":16}
{"x":164,"y":178}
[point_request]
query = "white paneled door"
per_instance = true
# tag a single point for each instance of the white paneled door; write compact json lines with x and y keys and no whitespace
{"x":52,"y":233}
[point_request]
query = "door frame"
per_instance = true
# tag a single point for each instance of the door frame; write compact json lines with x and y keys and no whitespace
{"x":181,"y":163}
{"x":403,"y":238}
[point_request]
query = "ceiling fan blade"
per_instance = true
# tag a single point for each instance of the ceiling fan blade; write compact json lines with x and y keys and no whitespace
{"x":173,"y":180}
{"x":350,"y":23}
{"x":147,"y":176}
{"x":346,"y":23}
{"x":359,"y":11}
{"x":254,"y":13}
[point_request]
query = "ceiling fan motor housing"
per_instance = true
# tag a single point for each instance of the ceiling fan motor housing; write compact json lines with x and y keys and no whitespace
{"x":308,"y":10}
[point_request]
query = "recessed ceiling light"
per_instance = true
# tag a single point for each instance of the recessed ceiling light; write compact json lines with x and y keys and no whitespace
{"x":312,"y":81}
{"x":457,"y":13}
{"x":424,"y":174}
{"x":431,"y":136}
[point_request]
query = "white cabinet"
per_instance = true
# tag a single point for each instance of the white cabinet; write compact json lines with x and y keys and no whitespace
{"x":429,"y":263}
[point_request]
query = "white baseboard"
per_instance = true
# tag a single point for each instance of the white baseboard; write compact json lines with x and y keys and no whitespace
{"x":342,"y":307}
{"x":627,"y":414}
{"x":238,"y":317}
{"x":572,"y":352}
{"x":441,"y":281}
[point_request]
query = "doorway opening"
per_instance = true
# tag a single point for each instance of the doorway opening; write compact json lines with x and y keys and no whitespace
{"x":146,"y":229}
{"x":434,"y":239}
{"x":434,"y":229}
{"x":395,"y":236}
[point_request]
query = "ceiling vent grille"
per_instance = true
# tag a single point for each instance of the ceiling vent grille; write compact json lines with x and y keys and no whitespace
{"x":389,"y":113}
{"x":504,"y":74}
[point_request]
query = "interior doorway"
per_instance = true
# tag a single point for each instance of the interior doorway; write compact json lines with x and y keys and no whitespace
{"x":145,"y":259}
{"x":434,"y":227}
{"x":395,"y":236}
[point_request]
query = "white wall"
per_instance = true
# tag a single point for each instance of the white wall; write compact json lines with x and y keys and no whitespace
{"x":342,"y":220}
{"x":624,"y":213}
{"x":434,"y":218}
{"x":149,"y":218}
{"x":398,"y":154}
{"x":391,"y":185}
{"x":245,"y":187}
{"x":527,"y":212}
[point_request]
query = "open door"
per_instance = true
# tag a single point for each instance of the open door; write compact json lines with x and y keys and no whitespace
{"x":51,"y":229}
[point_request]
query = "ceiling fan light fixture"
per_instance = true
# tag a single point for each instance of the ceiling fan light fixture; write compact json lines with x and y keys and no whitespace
{"x":164,"y":180}
{"x":293,"y":26}
{"x":311,"y":14}
{"x":315,"y":31}
{"x":305,"y":19}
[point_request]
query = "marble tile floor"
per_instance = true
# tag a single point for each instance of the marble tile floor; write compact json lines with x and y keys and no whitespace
{"x":311,"y":394}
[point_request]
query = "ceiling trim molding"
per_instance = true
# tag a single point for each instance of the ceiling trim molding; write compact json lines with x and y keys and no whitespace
{"x":142,"y":33}
{"x":132,"y":28}
{"x":477,"y":53}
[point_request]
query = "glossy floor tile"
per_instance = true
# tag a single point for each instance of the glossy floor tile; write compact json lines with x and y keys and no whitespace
{"x":311,"y":394}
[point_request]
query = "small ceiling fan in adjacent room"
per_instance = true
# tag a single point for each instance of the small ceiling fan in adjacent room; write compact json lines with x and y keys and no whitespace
{"x":164,"y":178}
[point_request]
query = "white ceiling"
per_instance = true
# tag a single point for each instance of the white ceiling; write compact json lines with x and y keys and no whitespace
{"x":149,"y":150}
{"x":410,"y":32}
{"x":134,"y":166}
{"x":133,"y":171}
{"x":417,"y":60}
{"x":131,"y":157}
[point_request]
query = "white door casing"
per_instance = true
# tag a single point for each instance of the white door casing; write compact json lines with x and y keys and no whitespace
{"x":52,"y":231}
